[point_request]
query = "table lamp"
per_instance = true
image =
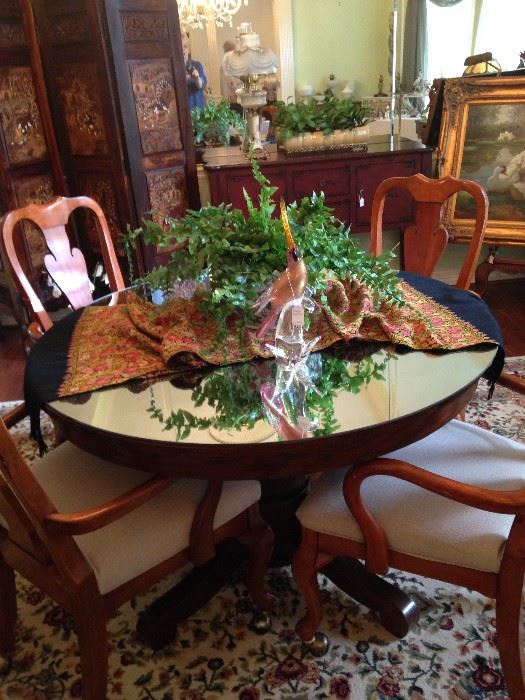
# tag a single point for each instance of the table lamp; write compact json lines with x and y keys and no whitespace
{"x":249,"y":61}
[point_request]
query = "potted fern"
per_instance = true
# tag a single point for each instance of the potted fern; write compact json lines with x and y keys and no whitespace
{"x":213,"y":124}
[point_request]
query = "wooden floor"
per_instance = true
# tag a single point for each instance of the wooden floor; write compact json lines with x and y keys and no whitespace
{"x":506,"y":299}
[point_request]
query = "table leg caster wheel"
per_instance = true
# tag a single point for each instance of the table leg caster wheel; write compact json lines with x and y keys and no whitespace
{"x":318,"y":645}
{"x":261,"y":622}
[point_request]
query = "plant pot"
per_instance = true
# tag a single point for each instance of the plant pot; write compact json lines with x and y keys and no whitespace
{"x":295,"y":143}
{"x":361,"y":134}
{"x":338,"y":138}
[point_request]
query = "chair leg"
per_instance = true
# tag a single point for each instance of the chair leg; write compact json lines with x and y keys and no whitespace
{"x":7,"y":606}
{"x":259,"y":540}
{"x":305,"y":565}
{"x":90,"y":625}
{"x":509,"y":626}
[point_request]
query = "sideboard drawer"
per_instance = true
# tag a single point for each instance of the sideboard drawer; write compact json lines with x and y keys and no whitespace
{"x":334,"y":182}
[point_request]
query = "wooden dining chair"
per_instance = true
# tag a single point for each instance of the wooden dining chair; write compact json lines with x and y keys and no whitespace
{"x":65,"y":265}
{"x":511,"y":381}
{"x":450,"y":507}
{"x":92,"y":534}
{"x":423,"y":243}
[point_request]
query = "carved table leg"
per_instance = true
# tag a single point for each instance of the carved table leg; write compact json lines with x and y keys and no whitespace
{"x":279,"y":500}
{"x":397,"y":611}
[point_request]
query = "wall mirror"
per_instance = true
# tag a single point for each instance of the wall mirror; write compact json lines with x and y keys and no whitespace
{"x":274,"y":28}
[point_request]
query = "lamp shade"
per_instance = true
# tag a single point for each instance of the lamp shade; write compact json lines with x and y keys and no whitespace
{"x":248,"y":57}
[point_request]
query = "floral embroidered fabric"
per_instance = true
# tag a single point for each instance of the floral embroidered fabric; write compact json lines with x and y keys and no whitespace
{"x":111,"y":345}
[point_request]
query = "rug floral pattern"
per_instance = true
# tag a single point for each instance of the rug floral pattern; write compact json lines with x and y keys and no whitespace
{"x":451,"y":654}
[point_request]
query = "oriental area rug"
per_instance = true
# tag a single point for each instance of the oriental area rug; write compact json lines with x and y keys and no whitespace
{"x":451,"y":654}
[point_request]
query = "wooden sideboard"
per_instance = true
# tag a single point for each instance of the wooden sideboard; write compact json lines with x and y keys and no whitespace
{"x":348,"y":179}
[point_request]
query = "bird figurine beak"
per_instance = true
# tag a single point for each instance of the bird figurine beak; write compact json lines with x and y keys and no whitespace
{"x":284,"y":218}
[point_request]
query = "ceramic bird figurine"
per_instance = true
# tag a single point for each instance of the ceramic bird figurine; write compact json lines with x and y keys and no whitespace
{"x":289,"y":285}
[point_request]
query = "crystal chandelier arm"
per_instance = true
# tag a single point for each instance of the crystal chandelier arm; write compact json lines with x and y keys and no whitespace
{"x":195,"y":13}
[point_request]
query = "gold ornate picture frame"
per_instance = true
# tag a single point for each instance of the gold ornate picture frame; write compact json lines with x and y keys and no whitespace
{"x":482,"y":138}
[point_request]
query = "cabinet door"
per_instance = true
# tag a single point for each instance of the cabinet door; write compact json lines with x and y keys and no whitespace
{"x":341,"y":209}
{"x":368,"y":176}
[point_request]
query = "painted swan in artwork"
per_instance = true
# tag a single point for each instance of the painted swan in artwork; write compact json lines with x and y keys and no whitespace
{"x":500,"y":180}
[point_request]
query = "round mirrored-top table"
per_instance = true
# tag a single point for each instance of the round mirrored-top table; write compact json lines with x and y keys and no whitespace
{"x":212,"y":424}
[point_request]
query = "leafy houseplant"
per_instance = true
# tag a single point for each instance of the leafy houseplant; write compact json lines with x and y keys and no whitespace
{"x":234,"y":256}
{"x":327,"y":116}
{"x":211,"y":125}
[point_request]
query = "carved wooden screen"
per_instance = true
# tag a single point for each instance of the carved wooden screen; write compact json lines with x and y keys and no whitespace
{"x":86,"y":116}
{"x":30,"y":169}
{"x":147,"y":56}
{"x":115,"y":78}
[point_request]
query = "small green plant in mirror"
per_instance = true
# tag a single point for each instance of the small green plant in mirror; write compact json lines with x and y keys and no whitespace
{"x":211,"y":124}
{"x":233,"y":257}
{"x":232,"y":392}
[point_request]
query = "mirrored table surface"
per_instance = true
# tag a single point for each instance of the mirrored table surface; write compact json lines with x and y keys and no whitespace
{"x":192,"y":423}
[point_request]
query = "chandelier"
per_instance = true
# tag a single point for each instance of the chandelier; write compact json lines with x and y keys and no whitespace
{"x":195,"y":13}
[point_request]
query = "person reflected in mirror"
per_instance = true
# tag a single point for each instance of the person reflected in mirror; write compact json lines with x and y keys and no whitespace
{"x":195,"y":77}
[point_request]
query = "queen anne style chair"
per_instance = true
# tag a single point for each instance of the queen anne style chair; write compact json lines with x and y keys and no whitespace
{"x":92,"y":534}
{"x":65,"y":265}
{"x":425,"y":241}
{"x":450,"y":507}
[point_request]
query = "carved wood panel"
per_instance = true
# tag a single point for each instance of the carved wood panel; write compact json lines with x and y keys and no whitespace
{"x":30,"y":168}
{"x":101,"y":188}
{"x":69,"y":29}
{"x":167,"y":193}
{"x":155,"y":105}
{"x":144,"y":26}
{"x":80,"y":93}
{"x":20,"y":117}
{"x":148,"y":62}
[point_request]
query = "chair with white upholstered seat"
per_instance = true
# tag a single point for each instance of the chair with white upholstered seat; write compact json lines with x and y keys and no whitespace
{"x":450,"y":507}
{"x":92,"y":534}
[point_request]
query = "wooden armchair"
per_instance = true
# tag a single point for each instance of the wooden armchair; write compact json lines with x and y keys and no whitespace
{"x":92,"y":534}
{"x":65,"y":265}
{"x":409,"y":511}
{"x":425,"y":241}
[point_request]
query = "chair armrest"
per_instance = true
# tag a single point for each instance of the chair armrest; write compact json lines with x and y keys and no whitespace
{"x":15,"y":415}
{"x":91,"y":519}
{"x":509,"y":502}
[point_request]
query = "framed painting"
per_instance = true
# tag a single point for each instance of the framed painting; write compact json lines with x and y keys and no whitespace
{"x":482,"y":138}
